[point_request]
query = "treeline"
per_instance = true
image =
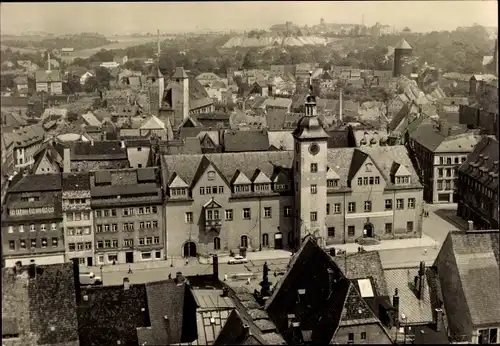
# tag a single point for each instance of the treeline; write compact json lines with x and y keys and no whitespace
{"x":78,"y":42}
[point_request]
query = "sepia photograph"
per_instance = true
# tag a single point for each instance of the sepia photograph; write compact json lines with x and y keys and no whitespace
{"x":249,"y":173}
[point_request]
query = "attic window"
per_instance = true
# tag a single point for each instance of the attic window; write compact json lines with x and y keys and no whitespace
{"x":211,"y":175}
{"x":368,"y":167}
{"x":281,"y":187}
{"x":178,"y":192}
{"x":332,"y":182}
{"x":301,"y":291}
{"x":262,"y":187}
{"x":403,"y":180}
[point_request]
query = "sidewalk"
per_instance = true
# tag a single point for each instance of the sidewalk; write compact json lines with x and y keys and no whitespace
{"x":425,"y":241}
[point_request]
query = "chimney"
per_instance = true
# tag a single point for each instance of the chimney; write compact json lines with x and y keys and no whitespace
{"x":246,"y":330}
{"x":215,"y":265}
{"x":48,"y":61}
{"x":333,"y":252}
{"x":32,"y":270}
{"x":67,"y":160}
{"x":421,"y":281}
{"x":471,"y":225}
{"x":92,"y":142}
{"x":76,"y":278}
{"x":225,"y":292}
{"x":438,"y":317}
{"x":395,"y":303}
{"x":179,"y":278}
{"x":166,"y":322}
{"x":495,"y":166}
{"x":126,"y":284}
{"x":331,"y":279}
{"x":122,"y":143}
{"x":480,"y":160}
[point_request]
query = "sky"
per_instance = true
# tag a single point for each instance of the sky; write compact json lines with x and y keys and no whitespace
{"x":112,"y":18}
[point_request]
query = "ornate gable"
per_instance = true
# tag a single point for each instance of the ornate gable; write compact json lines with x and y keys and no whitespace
{"x":212,"y":204}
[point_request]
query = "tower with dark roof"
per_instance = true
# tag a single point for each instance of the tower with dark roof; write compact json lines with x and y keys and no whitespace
{"x":180,"y":94}
{"x":310,"y":168}
{"x":401,"y":53}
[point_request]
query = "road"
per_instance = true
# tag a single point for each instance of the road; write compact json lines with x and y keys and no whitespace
{"x":435,"y":226}
{"x":394,"y":258}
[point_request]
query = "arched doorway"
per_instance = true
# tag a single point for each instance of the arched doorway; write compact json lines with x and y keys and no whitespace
{"x":265,"y":240}
{"x":244,"y":241}
{"x":368,"y":230}
{"x":190,"y":249}
{"x":278,"y":241}
{"x":216,"y":243}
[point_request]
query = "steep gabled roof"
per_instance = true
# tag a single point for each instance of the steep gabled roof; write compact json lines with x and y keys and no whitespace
{"x":202,"y":168}
{"x":312,"y":271}
{"x":358,"y":158}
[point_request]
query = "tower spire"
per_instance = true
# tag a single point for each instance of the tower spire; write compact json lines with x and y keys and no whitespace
{"x":310,"y":99}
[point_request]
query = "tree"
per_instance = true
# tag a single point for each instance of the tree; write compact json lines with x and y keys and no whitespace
{"x":91,"y":84}
{"x":7,"y":81}
{"x":103,"y":77}
{"x":134,"y":65}
{"x":71,"y":85}
{"x":251,"y":58}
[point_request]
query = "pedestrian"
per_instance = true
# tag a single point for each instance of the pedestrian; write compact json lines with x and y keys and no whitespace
{"x":248,"y":281}
{"x":187,"y":261}
{"x":425,"y":251}
{"x":170,"y":276}
{"x":114,"y":262}
{"x":129,"y":269}
{"x":225,"y":277}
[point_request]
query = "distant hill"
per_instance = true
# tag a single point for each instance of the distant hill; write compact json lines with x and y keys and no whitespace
{"x":269,"y":41}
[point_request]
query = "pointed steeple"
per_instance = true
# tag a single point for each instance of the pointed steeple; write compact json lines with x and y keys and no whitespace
{"x":310,"y":99}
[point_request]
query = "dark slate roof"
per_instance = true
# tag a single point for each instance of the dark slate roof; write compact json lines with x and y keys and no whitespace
{"x":338,"y":139}
{"x":33,"y":306}
{"x":477,"y":262}
{"x":362,"y":265}
{"x":76,"y":181}
{"x":53,"y":304}
{"x":245,"y":141}
{"x":339,"y":160}
{"x":261,"y":330}
{"x":98,"y":150}
{"x":358,"y":158}
{"x":111,"y":314}
{"x":37,"y":182}
{"x":165,"y":298}
{"x":483,"y":169}
{"x":322,"y":310}
{"x":275,"y":119}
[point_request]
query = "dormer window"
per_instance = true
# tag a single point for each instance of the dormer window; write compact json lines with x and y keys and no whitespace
{"x":241,"y":188}
{"x":262,"y":187}
{"x":280,"y":187}
{"x":178,"y":191}
{"x":332,"y":183}
{"x":403,"y":180}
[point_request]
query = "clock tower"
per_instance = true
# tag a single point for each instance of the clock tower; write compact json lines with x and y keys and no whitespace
{"x":309,"y":171}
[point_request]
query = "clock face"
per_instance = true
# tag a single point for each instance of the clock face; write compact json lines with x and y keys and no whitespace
{"x":314,"y":149}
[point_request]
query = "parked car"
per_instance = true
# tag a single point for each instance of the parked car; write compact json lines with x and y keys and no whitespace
{"x":90,"y":279}
{"x":237,"y":260}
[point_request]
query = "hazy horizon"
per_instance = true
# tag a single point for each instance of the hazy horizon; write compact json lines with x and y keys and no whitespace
{"x":61,"y":18}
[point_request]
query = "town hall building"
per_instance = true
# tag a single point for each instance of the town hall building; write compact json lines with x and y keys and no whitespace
{"x":273,"y":199}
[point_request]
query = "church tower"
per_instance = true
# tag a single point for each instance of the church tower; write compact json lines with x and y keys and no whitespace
{"x":180,"y":95}
{"x":309,"y":171}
